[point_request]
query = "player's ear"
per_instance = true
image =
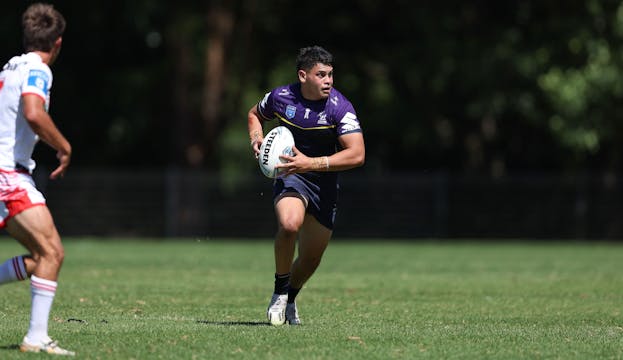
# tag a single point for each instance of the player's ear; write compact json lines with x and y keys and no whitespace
{"x":302,"y":75}
{"x":55,"y":50}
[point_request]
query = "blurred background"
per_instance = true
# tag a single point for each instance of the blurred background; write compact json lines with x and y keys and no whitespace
{"x":482,"y":119}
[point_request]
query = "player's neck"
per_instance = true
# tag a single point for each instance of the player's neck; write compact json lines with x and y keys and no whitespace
{"x":45,"y":56}
{"x":309,"y":95}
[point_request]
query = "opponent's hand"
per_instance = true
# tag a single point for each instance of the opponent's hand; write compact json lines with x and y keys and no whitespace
{"x":64,"y":159}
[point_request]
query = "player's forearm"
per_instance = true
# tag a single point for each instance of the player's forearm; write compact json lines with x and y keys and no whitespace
{"x":44,"y":127}
{"x":342,"y":160}
{"x":255,"y":134}
{"x":254,"y":124}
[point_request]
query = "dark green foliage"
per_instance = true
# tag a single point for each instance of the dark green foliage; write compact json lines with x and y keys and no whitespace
{"x":480,"y":87}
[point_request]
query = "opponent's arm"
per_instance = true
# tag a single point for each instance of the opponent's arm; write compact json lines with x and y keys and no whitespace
{"x":41,"y":123}
{"x":352,"y":155}
{"x":256,"y":134}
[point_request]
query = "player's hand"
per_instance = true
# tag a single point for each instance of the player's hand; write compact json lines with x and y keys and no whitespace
{"x":298,"y":163}
{"x":255,"y":145}
{"x":64,"y":159}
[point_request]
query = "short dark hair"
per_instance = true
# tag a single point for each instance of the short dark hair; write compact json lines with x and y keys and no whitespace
{"x":312,"y":55}
{"x":42,"y":25}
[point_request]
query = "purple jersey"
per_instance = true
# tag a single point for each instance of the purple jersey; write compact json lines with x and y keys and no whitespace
{"x":316,"y":125}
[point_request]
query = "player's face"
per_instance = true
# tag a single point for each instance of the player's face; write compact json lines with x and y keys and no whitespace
{"x":316,"y":83}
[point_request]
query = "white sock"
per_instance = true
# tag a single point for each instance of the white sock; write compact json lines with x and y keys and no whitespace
{"x":42,"y":293}
{"x":13,"y":270}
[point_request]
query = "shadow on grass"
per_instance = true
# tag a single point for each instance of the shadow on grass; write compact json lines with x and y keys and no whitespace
{"x":12,"y":347}
{"x":233,"y":323}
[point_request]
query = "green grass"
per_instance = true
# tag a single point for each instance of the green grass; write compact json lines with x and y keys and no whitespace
{"x":189,"y":299}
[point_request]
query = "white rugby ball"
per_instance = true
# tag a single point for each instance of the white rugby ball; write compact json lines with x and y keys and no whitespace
{"x":278,"y":141}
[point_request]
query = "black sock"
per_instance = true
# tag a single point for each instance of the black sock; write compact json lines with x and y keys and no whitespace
{"x":292,"y":292}
{"x":282,"y":283}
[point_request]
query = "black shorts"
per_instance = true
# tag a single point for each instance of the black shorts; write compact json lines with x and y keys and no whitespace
{"x":318,"y":190}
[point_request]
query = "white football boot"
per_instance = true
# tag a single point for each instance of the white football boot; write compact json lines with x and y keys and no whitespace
{"x":276,"y":312}
{"x":46,"y":345}
{"x":292,"y":314}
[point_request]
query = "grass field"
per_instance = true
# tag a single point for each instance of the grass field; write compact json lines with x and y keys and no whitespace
{"x":190,"y":299}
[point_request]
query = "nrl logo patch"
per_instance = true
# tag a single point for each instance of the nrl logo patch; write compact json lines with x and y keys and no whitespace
{"x":290,"y":111}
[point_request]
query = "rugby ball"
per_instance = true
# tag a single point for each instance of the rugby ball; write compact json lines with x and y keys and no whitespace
{"x":278,"y":141}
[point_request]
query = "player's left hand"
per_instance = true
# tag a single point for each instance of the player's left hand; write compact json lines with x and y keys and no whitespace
{"x":298,"y":163}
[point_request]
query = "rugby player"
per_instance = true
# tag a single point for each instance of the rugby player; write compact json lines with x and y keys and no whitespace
{"x":25,"y":83}
{"x":328,"y":139}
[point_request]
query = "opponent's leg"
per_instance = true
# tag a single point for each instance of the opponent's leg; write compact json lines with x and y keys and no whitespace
{"x":34,"y":228}
{"x":14,"y":269}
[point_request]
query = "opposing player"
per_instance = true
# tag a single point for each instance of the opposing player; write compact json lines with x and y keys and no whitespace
{"x":328,"y":139}
{"x":25,"y":83}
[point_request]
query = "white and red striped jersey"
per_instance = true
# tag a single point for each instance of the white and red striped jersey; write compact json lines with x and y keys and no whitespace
{"x":24,"y":74}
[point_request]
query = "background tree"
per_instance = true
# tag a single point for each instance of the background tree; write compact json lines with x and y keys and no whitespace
{"x":484,"y":87}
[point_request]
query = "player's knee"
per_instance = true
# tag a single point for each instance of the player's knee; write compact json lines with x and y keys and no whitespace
{"x":54,"y":253}
{"x":290,"y":226}
{"x":59,"y":255}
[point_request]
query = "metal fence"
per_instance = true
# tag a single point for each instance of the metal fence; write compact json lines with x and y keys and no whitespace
{"x":182,"y":203}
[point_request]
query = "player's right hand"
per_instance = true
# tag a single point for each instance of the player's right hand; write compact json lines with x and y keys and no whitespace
{"x":255,"y":145}
{"x":64,"y":159}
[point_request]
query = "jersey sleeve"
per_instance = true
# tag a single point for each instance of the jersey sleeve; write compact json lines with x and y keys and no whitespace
{"x":266,"y":107}
{"x":347,"y":121}
{"x":38,"y":82}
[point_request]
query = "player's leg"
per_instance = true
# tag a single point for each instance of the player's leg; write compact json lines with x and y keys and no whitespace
{"x":290,"y":212}
{"x":35,"y":229}
{"x":313,"y":241}
{"x":16,"y":269}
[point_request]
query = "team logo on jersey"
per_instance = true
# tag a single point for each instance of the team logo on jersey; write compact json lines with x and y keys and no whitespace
{"x":264,"y":100}
{"x":322,"y":118}
{"x":290,"y":111}
{"x":349,"y":123}
{"x":38,"y":79}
